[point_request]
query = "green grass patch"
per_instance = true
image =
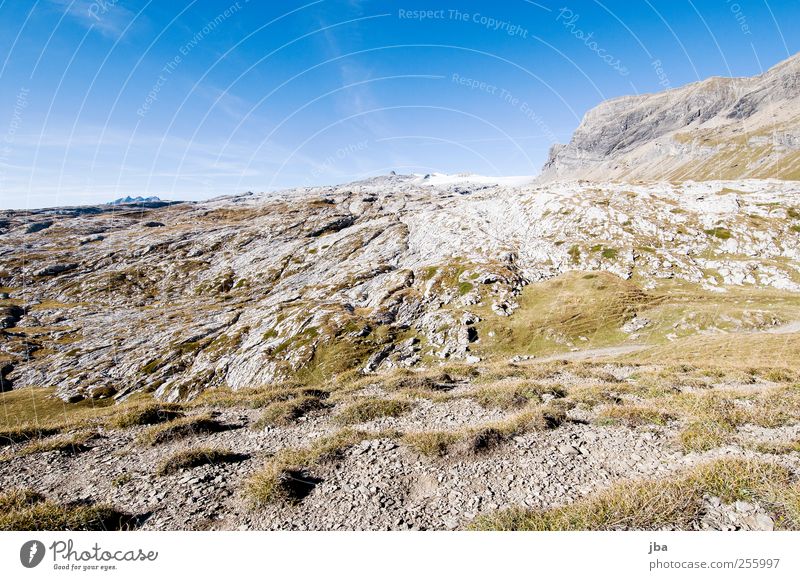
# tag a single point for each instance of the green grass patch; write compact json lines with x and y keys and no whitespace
{"x":720,"y":233}
{"x":569,"y":309}
{"x":39,"y":408}
{"x":464,"y":288}
{"x":574,"y":254}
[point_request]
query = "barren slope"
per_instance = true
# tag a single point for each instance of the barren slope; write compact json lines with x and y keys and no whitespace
{"x":392,"y":272}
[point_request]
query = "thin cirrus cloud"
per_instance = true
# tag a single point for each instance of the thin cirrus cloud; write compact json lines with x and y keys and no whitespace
{"x":110,"y":18}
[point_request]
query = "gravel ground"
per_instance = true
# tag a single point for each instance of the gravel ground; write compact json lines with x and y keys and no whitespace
{"x":379,"y":484}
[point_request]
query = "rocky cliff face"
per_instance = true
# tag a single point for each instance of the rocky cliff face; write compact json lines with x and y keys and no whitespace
{"x":390,"y":272}
{"x":720,"y":128}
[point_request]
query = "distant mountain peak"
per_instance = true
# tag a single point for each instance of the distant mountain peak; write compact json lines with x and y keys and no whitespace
{"x":139,"y":199}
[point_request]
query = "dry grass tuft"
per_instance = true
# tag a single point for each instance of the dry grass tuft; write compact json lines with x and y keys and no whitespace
{"x":280,"y":483}
{"x":370,"y":409}
{"x":703,"y":436}
{"x":25,"y":433}
{"x":536,"y":418}
{"x":513,"y":394}
{"x":255,"y":398}
{"x":284,"y":413}
{"x":483,"y":440}
{"x":472,"y":440}
{"x":779,"y":448}
{"x":418,"y":381}
{"x":633,"y":416}
{"x":287,"y":476}
{"x":590,"y":370}
{"x":180,"y":429}
{"x":713,"y":416}
{"x":431,"y":443}
{"x":149,"y":413}
{"x":24,"y":509}
{"x":18,"y":499}
{"x":776,"y":374}
{"x":498,"y":371}
{"x":67,"y":444}
{"x":590,"y":396}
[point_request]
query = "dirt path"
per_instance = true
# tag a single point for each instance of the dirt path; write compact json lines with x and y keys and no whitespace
{"x":788,"y":328}
{"x":608,"y":351}
{"x":592,"y":353}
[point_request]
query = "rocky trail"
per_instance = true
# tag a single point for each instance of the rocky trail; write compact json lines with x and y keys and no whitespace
{"x":592,"y":353}
{"x":788,"y":328}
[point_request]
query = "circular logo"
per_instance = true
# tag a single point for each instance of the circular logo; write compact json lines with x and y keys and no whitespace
{"x":31,"y":553}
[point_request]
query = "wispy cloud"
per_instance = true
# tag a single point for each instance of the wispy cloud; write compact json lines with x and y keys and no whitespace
{"x":358,"y":101}
{"x":108,"y":17}
{"x":183,"y":168}
{"x":223,"y":100}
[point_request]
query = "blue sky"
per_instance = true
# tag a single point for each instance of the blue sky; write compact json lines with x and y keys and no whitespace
{"x":189,"y":100}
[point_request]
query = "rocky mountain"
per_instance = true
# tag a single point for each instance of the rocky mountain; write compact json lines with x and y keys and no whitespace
{"x":396,"y":271}
{"x":403,"y":271}
{"x":719,"y":128}
{"x":425,"y":352}
{"x":405,"y":352}
{"x":138,"y":200}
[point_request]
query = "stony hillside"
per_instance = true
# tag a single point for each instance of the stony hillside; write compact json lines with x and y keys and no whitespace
{"x":423,"y":352}
{"x":392,"y":272}
{"x":719,"y":128}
